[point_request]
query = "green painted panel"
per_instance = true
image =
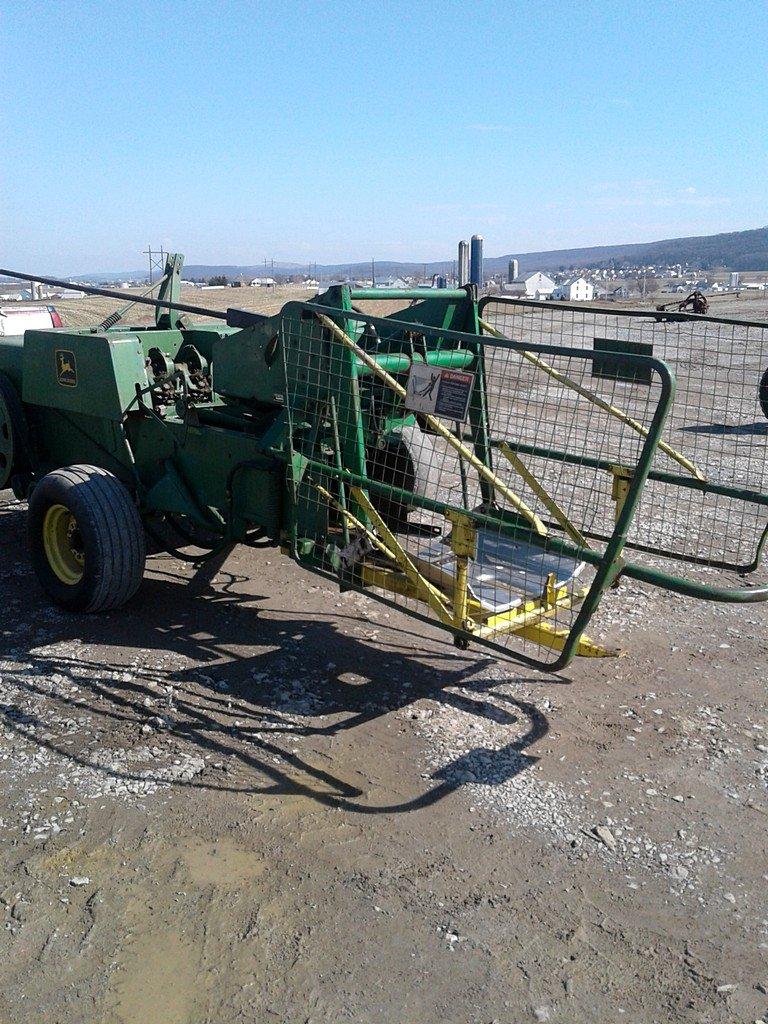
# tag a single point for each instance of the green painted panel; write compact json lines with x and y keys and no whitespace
{"x":247,"y":364}
{"x":95,"y":374}
{"x":11,"y":350}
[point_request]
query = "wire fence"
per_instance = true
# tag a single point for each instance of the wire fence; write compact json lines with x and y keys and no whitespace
{"x":455,"y":477}
{"x":713,"y":510}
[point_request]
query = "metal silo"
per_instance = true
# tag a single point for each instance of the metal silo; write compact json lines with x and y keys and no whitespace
{"x":463,"y":263}
{"x":513,"y":271}
{"x":476,"y":261}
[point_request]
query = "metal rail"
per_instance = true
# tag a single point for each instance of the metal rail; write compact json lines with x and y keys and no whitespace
{"x":646,"y":314}
{"x":595,"y":399}
{"x":376,"y":294}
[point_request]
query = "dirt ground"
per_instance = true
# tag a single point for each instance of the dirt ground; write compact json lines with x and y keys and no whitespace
{"x":248,"y":797}
{"x":258,"y":799}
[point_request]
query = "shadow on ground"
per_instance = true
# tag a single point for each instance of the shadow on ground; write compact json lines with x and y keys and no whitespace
{"x":350,"y":682}
{"x":760,"y":427}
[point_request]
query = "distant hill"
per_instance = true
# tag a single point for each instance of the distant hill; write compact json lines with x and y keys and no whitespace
{"x":734,"y":250}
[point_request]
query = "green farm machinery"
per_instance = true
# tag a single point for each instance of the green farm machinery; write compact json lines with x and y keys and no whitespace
{"x":491,"y":467}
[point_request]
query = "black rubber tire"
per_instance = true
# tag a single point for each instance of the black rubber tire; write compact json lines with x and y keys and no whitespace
{"x":112,"y":535}
{"x":408,"y":460}
{"x":14,"y":444}
{"x":763,"y":394}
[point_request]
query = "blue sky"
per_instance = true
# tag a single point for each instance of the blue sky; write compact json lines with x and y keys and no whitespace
{"x":339,"y":131}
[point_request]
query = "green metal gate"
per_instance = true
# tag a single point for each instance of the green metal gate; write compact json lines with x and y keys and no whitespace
{"x":701,"y":526}
{"x":494,"y":538}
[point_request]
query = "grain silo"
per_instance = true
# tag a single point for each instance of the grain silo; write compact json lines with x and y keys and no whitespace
{"x":513,"y":271}
{"x":476,"y":261}
{"x":463,"y":263}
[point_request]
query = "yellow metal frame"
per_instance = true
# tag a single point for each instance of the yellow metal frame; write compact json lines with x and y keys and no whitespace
{"x":620,"y":485}
{"x":424,"y":590}
{"x":460,"y":609}
{"x":538,"y":489}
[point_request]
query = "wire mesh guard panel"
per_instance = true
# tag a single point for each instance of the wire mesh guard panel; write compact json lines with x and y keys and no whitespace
{"x":375,"y":486}
{"x":716,"y":423}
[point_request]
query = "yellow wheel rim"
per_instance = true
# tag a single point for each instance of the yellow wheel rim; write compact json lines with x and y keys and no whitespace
{"x":63,"y":544}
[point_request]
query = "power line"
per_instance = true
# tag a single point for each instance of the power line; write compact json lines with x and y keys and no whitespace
{"x":156,"y":261}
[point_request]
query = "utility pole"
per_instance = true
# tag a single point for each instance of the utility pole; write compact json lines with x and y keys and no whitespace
{"x":373,"y":273}
{"x":156,"y":261}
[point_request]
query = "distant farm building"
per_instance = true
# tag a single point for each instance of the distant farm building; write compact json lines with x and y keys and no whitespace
{"x":263,"y":282}
{"x":578,"y":289}
{"x":531,"y":286}
{"x":392,"y":282}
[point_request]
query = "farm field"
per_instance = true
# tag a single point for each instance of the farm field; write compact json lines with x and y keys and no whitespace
{"x":86,"y":311}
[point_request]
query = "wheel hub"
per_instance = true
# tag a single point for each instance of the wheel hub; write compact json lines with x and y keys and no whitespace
{"x":63,"y":544}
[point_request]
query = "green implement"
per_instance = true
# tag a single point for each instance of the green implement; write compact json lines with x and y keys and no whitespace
{"x":493,"y":474}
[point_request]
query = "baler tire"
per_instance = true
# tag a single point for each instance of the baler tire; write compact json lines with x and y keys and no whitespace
{"x":407,"y":461}
{"x":108,"y":545}
{"x":14,"y":470}
{"x":763,"y":394}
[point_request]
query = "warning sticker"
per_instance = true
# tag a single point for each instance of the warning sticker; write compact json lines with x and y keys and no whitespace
{"x":439,"y":392}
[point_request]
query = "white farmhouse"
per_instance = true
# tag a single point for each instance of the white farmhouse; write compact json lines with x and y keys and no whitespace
{"x":578,"y":289}
{"x":392,"y":282}
{"x":532,"y":286}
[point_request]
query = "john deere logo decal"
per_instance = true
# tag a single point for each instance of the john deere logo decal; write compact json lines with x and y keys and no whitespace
{"x":66,"y":368}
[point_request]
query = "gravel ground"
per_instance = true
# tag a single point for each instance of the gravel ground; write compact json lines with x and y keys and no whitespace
{"x":262,"y":800}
